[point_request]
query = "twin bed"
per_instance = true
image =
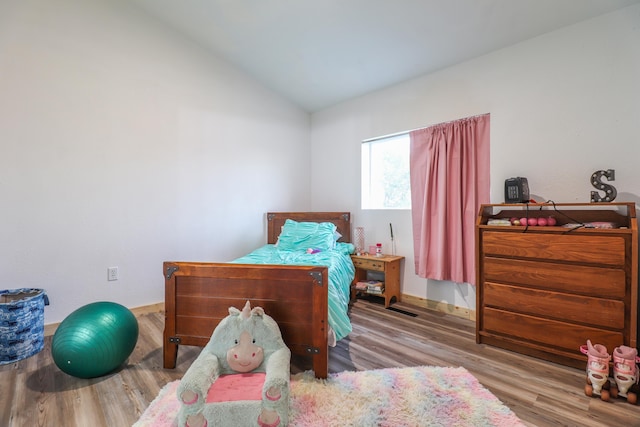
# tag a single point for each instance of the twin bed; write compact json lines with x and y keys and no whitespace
{"x":308,"y":296}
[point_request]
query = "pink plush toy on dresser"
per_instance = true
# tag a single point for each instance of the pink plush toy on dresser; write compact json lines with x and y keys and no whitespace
{"x":241,"y":377}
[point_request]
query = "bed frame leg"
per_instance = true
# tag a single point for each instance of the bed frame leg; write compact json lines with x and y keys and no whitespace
{"x":170,"y":355}
{"x":321,"y":364}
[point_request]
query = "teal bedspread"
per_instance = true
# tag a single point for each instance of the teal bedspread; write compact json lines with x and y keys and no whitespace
{"x":341,"y":274}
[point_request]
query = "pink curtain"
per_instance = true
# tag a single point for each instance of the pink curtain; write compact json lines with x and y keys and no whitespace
{"x":449,"y":167}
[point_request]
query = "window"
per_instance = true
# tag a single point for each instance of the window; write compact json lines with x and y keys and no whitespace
{"x":385,"y":173}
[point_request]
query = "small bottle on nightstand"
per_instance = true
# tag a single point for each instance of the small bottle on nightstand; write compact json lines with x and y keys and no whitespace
{"x":378,"y":249}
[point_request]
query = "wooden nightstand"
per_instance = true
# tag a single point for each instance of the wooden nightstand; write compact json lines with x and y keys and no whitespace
{"x":389,"y":265}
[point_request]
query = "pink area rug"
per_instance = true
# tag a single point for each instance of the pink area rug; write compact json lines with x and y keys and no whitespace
{"x":419,"y":396}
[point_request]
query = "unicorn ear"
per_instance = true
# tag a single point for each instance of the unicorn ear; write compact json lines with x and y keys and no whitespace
{"x":257,"y":311}
{"x":233,"y":311}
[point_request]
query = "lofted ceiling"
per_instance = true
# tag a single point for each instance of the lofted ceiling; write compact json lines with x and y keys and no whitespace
{"x":320,"y":53}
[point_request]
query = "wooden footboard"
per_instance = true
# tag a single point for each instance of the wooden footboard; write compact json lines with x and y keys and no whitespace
{"x":198,"y":296}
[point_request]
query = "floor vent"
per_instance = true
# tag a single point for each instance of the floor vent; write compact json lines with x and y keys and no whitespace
{"x":399,"y":310}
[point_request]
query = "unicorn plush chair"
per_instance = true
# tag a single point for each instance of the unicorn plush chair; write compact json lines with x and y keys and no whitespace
{"x":241,"y":377}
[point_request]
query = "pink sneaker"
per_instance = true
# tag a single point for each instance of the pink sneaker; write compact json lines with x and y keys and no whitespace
{"x":597,"y":369}
{"x":625,"y":371}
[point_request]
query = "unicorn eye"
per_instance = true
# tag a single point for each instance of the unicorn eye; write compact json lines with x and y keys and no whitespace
{"x":253,"y":341}
{"x":235,"y":342}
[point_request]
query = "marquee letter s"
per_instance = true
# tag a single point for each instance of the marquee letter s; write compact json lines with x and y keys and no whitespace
{"x":609,"y":190}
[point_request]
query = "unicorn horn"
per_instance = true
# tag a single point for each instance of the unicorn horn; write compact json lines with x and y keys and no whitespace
{"x":246,"y":311}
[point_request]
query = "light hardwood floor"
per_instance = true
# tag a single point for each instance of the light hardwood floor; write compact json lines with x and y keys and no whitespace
{"x":34,"y":392}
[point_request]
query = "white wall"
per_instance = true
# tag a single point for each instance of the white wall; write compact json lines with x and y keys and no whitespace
{"x":124,"y":144}
{"x":562,"y":106}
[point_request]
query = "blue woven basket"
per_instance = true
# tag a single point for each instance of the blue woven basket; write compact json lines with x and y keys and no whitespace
{"x":21,"y":323}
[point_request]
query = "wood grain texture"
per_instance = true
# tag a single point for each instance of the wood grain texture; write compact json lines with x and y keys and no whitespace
{"x":544,"y":291}
{"x":198,"y":296}
{"x":34,"y":392}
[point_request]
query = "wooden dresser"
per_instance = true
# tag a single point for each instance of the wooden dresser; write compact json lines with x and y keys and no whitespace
{"x":545,"y":290}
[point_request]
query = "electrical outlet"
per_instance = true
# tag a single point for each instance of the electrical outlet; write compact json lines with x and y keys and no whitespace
{"x":112,"y":273}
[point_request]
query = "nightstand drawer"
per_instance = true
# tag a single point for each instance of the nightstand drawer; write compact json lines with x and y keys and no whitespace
{"x":368,"y":264}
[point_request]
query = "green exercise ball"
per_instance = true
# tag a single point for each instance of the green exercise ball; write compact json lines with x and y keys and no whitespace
{"x":95,"y":339}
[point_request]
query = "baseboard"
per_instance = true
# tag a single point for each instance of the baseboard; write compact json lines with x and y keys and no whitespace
{"x":51,"y":328}
{"x":440,"y":306}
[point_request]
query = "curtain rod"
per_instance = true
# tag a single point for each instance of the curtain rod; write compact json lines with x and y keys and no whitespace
{"x":391,"y":135}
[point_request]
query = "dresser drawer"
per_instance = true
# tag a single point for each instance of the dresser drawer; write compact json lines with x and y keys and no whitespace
{"x":591,"y":249}
{"x":546,"y":332}
{"x":597,"y":312}
{"x":368,"y":264}
{"x":603,"y":282}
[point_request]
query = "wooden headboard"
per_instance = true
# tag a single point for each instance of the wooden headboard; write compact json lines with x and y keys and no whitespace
{"x":275,"y":221}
